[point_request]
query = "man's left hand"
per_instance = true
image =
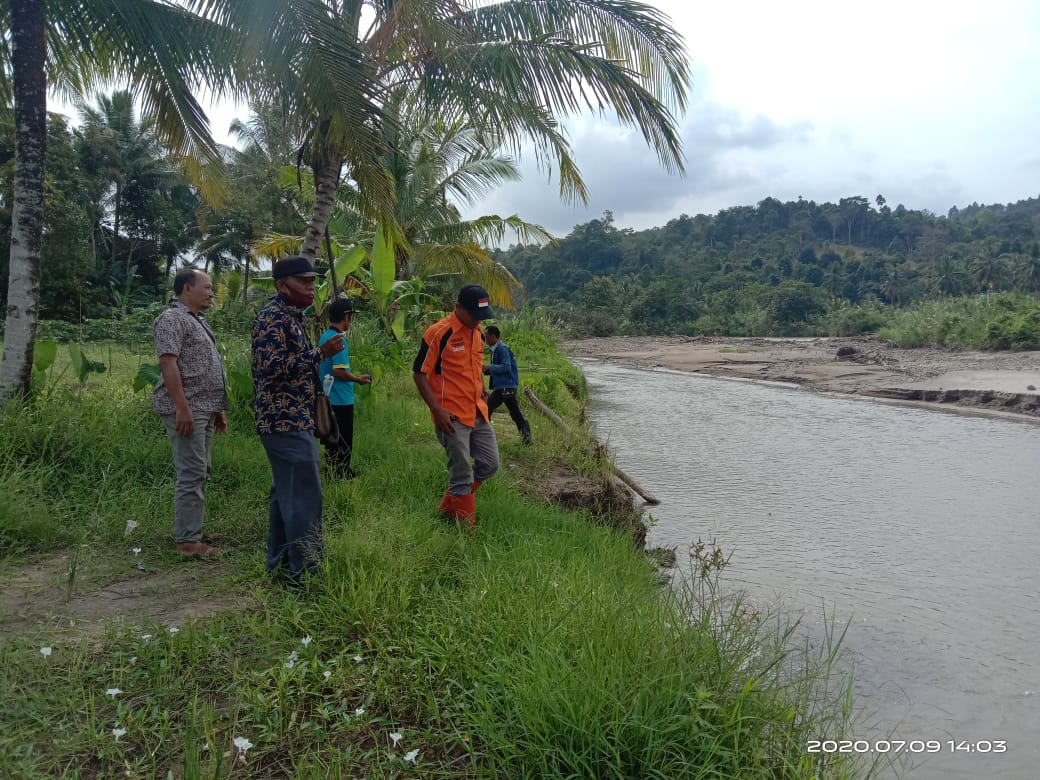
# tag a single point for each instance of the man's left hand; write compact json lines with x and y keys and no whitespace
{"x":220,"y":425}
{"x":487,"y":369}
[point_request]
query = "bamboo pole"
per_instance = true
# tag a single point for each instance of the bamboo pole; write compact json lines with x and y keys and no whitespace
{"x":632,"y":485}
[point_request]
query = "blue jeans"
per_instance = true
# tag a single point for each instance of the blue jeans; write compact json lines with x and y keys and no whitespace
{"x":294,"y":529}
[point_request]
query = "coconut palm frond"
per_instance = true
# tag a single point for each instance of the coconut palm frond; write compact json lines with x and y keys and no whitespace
{"x":275,"y":245}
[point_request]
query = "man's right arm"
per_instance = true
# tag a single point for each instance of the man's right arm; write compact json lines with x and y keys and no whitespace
{"x":441,"y":416}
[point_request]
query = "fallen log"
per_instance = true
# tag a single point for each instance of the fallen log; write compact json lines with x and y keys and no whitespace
{"x":632,"y":485}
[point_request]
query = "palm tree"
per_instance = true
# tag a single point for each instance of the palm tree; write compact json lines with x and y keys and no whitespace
{"x":948,"y":280}
{"x":30,"y":107}
{"x":1029,"y":271}
{"x":892,"y":286}
{"x":512,"y":67}
{"x":990,"y":266}
{"x":168,"y":53}
{"x":434,"y":166}
{"x":121,"y":151}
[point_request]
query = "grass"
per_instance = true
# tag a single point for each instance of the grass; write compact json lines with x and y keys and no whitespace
{"x":543,"y":646}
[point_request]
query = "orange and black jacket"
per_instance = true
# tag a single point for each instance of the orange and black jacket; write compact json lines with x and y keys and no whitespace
{"x":452,"y":357}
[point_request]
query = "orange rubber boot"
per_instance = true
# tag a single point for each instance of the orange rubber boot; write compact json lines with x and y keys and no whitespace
{"x":445,"y":506}
{"x":466,"y":511}
{"x":474,"y":486}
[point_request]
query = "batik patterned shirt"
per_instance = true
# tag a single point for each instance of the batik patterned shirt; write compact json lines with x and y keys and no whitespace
{"x":284,"y":369}
{"x":186,"y":335}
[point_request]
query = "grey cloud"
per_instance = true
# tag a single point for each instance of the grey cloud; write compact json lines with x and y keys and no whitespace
{"x":624,"y":176}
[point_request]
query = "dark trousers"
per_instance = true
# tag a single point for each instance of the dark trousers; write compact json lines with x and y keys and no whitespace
{"x":339,"y":455}
{"x":507,"y":396}
{"x":294,"y":530}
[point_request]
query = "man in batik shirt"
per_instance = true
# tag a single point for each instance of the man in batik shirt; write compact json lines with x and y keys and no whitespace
{"x":284,"y":383}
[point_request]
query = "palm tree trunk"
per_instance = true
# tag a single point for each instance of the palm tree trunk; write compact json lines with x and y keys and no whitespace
{"x":326,"y":181}
{"x":115,"y":228}
{"x":245,"y":282}
{"x":28,"y":52}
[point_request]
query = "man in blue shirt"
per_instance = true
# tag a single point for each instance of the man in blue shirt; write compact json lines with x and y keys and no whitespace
{"x":505,"y":379}
{"x":341,"y":394}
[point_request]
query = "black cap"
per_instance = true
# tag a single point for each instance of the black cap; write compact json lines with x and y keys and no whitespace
{"x":294,"y":265}
{"x":476,"y":301}
{"x":340,"y":308}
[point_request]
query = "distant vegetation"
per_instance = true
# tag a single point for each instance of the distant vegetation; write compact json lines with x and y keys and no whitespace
{"x":802,"y":268}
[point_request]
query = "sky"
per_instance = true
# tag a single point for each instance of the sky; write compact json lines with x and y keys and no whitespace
{"x":930,"y":103}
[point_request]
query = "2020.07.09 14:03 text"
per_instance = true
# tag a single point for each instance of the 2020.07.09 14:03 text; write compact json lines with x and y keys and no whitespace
{"x":906,"y":746}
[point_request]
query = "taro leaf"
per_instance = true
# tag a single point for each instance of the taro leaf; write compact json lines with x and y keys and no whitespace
{"x":147,"y":376}
{"x":83,"y":365}
{"x":240,"y":384}
{"x":79,"y":363}
{"x":44,"y":354}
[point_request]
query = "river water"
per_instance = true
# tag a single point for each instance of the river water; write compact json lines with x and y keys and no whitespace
{"x":920,"y":528}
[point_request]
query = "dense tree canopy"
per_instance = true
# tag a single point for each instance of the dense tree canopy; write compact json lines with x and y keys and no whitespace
{"x":775,"y":267}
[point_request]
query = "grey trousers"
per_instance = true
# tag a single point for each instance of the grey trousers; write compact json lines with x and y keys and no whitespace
{"x":191,"y":459}
{"x":294,"y":529}
{"x":477,"y":444}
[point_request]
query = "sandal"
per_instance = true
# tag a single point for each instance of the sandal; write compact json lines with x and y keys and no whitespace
{"x":198,"y":550}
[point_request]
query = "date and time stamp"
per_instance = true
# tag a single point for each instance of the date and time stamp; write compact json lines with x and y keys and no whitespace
{"x":908,"y":746}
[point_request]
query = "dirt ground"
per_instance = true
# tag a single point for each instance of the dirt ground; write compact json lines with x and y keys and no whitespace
{"x":1004,"y":382}
{"x":42,"y":598}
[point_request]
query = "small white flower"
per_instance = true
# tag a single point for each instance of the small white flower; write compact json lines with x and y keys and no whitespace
{"x":411,"y":755}
{"x":174,"y":630}
{"x":483,"y":593}
{"x":359,"y":711}
{"x":133,"y":659}
{"x":358,"y":659}
{"x":113,"y":692}
{"x":555,"y":584}
{"x":136,"y":551}
{"x":130,"y":526}
{"x":145,"y":637}
{"x":328,"y":675}
{"x":46,"y":652}
{"x":396,"y":737}
{"x":118,"y":732}
{"x":291,"y":662}
{"x":306,"y":640}
{"x":242,"y":744}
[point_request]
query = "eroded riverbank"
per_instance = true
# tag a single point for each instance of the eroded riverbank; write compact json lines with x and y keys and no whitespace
{"x":998,"y":381}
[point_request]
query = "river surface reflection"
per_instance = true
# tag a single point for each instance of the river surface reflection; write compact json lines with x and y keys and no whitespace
{"x":921,"y":528}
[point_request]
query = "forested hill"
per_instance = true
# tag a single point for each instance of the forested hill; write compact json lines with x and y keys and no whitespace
{"x":777,"y":267}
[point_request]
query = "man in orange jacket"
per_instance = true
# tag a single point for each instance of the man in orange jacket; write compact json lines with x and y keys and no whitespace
{"x":448,"y":372}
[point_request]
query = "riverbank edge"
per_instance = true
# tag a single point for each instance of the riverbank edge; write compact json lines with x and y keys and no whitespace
{"x":365,"y":634}
{"x":860,"y":367}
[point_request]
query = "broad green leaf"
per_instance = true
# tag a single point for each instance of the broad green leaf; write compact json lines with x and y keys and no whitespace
{"x":383,"y":262}
{"x":147,"y":376}
{"x":79,"y":363}
{"x":398,"y":326}
{"x":349,"y":262}
{"x":44,"y":354}
{"x":263,"y":282}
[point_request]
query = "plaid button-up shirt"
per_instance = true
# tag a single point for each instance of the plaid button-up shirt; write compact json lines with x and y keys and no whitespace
{"x":284,"y":367}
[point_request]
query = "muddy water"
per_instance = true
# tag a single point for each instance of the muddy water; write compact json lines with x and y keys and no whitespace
{"x":921,"y":528}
